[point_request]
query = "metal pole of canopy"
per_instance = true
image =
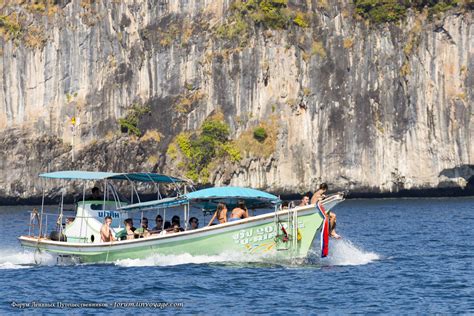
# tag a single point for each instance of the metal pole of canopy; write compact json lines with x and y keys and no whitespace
{"x":46,"y":224}
{"x":131,"y":193}
{"x":203,"y":212}
{"x":164,"y":218}
{"x":189,"y":212}
{"x":105,"y":194}
{"x":155,"y":186}
{"x":158,"y":195}
{"x":136,"y":192}
{"x":83,"y":208}
{"x":175,"y":185}
{"x":41,"y":216}
{"x":185,"y":217}
{"x":133,"y":189}
{"x":31,"y":223}
{"x":114,"y":194}
{"x":158,"y":213}
{"x":60,"y":218}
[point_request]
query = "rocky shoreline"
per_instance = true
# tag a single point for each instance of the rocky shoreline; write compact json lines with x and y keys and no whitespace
{"x":419,"y":193}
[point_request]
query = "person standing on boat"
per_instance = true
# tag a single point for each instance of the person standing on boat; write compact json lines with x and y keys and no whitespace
{"x":105,"y":231}
{"x":320,"y":195}
{"x":220,"y":214}
{"x":240,"y":212}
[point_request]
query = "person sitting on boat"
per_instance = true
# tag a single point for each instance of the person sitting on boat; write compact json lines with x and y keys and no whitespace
{"x":69,"y":220}
{"x":175,"y":229}
{"x":304,"y":200}
{"x":175,"y":220}
{"x":240,"y":212}
{"x":105,"y":231}
{"x":220,"y":214}
{"x":127,"y":232}
{"x":193,"y":223}
{"x":159,"y":224}
{"x":142,"y":231}
{"x":320,"y":195}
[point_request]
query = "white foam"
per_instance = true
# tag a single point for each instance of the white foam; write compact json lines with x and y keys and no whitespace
{"x":186,"y":258}
{"x":20,"y":259}
{"x":343,"y":252}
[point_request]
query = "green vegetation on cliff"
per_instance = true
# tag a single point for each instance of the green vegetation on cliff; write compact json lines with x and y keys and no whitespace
{"x":259,"y":142}
{"x":200,"y":150}
{"x":10,"y":27}
{"x":269,"y":14}
{"x":260,"y":134}
{"x":129,"y":123}
{"x":380,"y":11}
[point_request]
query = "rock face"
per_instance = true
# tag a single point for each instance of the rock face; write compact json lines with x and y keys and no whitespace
{"x":378,"y":108}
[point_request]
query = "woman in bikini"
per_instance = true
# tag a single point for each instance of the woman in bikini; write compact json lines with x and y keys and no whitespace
{"x":220,"y":214}
{"x":240,"y":212}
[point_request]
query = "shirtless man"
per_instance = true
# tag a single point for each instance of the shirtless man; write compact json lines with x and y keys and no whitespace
{"x":105,"y":231}
{"x":319,"y":196}
{"x":240,"y":212}
{"x":220,"y":214}
{"x":304,"y":201}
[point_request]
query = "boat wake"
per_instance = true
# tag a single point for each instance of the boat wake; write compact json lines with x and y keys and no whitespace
{"x":186,"y":258}
{"x":11,"y":259}
{"x":342,"y":252}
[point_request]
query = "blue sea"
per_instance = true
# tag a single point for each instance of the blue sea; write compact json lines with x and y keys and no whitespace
{"x":397,"y":256}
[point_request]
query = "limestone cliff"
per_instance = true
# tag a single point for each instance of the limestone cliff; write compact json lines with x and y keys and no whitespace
{"x":363,"y":106}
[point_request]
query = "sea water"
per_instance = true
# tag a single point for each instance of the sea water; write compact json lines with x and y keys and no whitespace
{"x":402,"y":256}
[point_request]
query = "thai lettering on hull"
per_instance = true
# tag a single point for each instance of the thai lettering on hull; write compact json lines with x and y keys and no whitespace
{"x":108,"y":213}
{"x":259,"y":234}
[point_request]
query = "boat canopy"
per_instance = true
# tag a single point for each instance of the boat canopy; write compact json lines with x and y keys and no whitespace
{"x":209,"y":198}
{"x":97,"y":175}
{"x":155,"y":204}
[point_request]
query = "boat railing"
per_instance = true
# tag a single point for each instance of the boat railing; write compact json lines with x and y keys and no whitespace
{"x":287,"y":228}
{"x":38,"y":223}
{"x":328,"y":199}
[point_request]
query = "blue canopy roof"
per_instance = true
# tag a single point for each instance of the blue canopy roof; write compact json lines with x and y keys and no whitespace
{"x":208,"y":198}
{"x":155,"y":204}
{"x":97,"y":175}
